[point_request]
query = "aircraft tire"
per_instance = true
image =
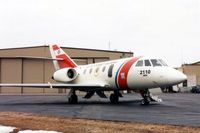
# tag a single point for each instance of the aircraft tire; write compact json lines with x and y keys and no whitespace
{"x":114,"y":98}
{"x":145,"y":102}
{"x":73,"y":99}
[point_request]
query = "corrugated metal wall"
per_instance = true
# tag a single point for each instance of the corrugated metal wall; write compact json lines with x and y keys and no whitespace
{"x":22,"y":70}
{"x":192,"y":70}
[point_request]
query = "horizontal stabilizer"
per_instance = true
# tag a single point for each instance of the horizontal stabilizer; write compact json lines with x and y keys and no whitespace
{"x":31,"y":58}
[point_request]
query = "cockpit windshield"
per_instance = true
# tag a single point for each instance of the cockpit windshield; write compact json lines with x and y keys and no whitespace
{"x":163,"y":63}
{"x":139,"y":63}
{"x":158,"y":62}
{"x":151,"y":62}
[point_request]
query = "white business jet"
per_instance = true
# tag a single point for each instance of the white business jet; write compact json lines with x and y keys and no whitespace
{"x":138,"y":74}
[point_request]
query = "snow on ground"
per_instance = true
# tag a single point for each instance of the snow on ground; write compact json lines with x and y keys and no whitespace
{"x":7,"y":129}
{"x":39,"y":131}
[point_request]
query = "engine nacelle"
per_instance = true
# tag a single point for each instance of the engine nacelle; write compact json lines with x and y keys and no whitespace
{"x":65,"y":75}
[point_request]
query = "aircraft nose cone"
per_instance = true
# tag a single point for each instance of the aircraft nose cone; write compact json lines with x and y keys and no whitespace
{"x":178,"y":77}
{"x":181,"y":77}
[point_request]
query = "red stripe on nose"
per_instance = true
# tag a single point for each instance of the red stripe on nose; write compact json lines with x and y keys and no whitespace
{"x":123,"y":74}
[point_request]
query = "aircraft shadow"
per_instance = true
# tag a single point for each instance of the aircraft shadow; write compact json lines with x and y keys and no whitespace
{"x":83,"y":103}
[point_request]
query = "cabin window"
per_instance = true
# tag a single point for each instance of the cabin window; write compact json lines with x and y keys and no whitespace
{"x":90,"y":70}
{"x":155,"y":62}
{"x":147,"y":63}
{"x":110,"y":70}
{"x":103,"y":69}
{"x":85,"y":71}
{"x":97,"y":70}
{"x":139,"y":63}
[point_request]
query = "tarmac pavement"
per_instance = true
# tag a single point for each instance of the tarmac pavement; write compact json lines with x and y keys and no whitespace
{"x":176,"y":109}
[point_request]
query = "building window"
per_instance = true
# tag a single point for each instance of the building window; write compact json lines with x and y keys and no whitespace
{"x":185,"y":83}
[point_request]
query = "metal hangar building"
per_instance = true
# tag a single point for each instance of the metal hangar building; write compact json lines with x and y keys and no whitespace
{"x":16,"y":66}
{"x":193,"y":73}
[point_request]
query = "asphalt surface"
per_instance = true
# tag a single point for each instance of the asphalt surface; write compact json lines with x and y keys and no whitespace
{"x":176,"y":109}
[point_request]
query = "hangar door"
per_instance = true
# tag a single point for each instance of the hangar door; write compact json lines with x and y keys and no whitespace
{"x":10,"y":73}
{"x":33,"y":72}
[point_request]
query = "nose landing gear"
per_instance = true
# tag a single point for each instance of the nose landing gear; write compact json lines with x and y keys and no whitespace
{"x":148,"y":97}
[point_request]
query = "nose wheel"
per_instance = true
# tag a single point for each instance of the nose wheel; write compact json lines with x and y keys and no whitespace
{"x":148,"y":97}
{"x":145,"y":102}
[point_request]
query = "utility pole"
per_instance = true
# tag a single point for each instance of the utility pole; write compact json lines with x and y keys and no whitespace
{"x":109,"y":45}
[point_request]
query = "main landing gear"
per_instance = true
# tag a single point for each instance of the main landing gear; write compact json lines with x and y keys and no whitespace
{"x":114,"y":97}
{"x":72,"y":98}
{"x":148,"y":97}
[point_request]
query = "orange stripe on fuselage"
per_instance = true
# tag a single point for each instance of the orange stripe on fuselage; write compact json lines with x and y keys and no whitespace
{"x":123,"y":74}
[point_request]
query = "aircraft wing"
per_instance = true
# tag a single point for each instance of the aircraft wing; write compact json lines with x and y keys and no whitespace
{"x":61,"y":86}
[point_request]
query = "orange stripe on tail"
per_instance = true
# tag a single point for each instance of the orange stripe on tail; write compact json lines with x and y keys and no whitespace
{"x":57,"y":52}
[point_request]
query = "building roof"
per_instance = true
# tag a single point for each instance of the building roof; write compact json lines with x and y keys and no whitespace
{"x":67,"y":48}
{"x":193,"y":64}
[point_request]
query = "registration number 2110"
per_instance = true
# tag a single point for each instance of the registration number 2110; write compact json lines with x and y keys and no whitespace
{"x":145,"y":72}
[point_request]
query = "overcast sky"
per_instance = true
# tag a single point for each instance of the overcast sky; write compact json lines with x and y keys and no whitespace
{"x":168,"y":29}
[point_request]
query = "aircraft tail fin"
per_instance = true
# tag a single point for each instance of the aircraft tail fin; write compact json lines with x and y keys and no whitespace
{"x":58,"y":53}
